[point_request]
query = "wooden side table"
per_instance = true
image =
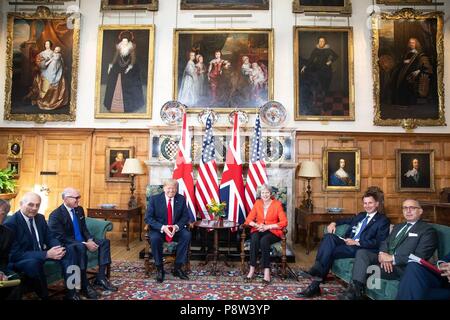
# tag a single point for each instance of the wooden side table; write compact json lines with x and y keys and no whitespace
{"x":123,"y":214}
{"x":306,"y":219}
{"x":215,"y":226}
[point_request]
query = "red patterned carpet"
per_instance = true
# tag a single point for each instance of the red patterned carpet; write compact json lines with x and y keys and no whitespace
{"x":202,"y":285}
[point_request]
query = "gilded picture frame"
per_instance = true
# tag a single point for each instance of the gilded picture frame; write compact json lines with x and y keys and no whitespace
{"x":115,"y":160}
{"x":324,"y":90}
{"x":15,"y":149}
{"x":415,"y":170}
{"x":405,"y":2}
{"x":408,"y":68}
{"x":341,"y":169}
{"x":124,"y":76}
{"x":110,"y":5}
{"x":333,"y":7}
{"x":230,"y":68}
{"x":14,"y":166}
{"x":41,"y":84}
{"x":224,"y":5}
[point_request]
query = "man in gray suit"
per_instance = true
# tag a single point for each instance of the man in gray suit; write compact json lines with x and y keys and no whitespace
{"x":411,"y":237}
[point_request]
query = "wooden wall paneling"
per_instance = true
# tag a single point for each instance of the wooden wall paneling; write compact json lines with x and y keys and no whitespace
{"x":377,"y":166}
{"x":118,"y":193}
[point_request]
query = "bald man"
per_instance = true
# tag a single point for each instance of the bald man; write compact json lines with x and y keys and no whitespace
{"x":68,"y":224}
{"x":34,"y":244}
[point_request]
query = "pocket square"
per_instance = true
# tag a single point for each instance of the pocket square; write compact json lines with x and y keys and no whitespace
{"x":411,"y":234}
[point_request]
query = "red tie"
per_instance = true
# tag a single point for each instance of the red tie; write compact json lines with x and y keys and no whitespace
{"x":169,"y":218}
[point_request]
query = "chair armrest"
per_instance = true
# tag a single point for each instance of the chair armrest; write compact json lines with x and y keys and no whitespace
{"x":98,"y":228}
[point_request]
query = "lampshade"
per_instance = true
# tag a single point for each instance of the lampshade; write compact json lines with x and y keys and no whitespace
{"x":132,"y":166}
{"x":309,"y":169}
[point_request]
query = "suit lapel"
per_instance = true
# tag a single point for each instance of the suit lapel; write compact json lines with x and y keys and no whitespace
{"x":412,"y":229}
{"x":67,"y":218}
{"x":23,"y":224}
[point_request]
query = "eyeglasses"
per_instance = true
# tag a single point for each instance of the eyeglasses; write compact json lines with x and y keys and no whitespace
{"x":76,"y":198}
{"x":410,"y":208}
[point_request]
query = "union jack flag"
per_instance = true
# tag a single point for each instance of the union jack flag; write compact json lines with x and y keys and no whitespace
{"x":257,"y":174}
{"x":232,"y":184}
{"x":207,"y":187}
{"x":183,"y":170}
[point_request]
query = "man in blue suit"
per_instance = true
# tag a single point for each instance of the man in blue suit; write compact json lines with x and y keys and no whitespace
{"x":366,"y":231}
{"x":34,"y":244}
{"x":420,"y":283}
{"x":68,"y":224}
{"x":168,"y":216}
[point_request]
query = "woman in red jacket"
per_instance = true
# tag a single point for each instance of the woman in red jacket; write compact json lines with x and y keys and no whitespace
{"x":267,"y":219}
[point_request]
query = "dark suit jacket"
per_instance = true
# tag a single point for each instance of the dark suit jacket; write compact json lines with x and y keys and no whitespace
{"x":6,"y":240}
{"x":422,"y":245}
{"x":60,"y":223}
{"x":156,"y":215}
{"x":22,"y":247}
{"x":373,"y":234}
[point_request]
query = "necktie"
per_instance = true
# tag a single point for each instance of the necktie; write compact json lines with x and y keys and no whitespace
{"x":33,"y":236}
{"x":169,"y":218}
{"x":363,"y":225}
{"x":398,"y":238}
{"x":76,"y":226}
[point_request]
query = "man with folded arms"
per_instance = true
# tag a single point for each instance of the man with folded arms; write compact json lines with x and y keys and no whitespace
{"x":68,"y":224}
{"x":366,"y":231}
{"x":167,"y":215}
{"x":34,"y":244}
{"x":413,"y":236}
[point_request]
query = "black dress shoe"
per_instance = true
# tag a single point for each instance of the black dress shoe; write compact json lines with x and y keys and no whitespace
{"x":160,"y":275}
{"x":72,"y":295}
{"x":105,"y":284}
{"x":180,"y":274}
{"x":312,"y":290}
{"x":89,"y":293}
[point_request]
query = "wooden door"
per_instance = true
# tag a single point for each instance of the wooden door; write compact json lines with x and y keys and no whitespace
{"x":64,"y":162}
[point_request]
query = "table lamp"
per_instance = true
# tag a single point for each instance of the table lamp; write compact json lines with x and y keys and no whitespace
{"x":309,"y":170}
{"x":132,"y":167}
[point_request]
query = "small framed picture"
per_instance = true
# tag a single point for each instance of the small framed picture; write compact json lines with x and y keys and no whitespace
{"x":405,"y":2}
{"x":415,"y":170}
{"x":115,"y":160}
{"x":15,"y":149}
{"x":15,"y":166}
{"x":150,"y":5}
{"x":334,"y":7}
{"x":224,"y":5}
{"x":341,"y":169}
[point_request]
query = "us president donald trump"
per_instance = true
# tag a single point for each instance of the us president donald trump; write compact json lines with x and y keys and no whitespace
{"x":168,"y":217}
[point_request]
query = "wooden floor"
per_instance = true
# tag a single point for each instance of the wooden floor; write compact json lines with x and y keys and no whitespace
{"x":120,"y":252}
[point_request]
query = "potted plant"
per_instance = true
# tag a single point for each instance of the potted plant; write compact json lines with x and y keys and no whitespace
{"x":217,"y":209}
{"x":7,"y":184}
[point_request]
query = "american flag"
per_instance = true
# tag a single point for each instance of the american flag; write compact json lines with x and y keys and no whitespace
{"x":232,"y":184}
{"x":207,"y":187}
{"x":183,"y":170}
{"x":257,"y":174}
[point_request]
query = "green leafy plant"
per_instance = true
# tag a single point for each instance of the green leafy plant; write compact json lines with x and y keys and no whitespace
{"x":217,"y":209}
{"x":7,"y":182}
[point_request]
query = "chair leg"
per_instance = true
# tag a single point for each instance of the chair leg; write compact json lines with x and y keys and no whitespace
{"x":147,"y":264}
{"x":242,"y":254}
{"x":283,"y":258}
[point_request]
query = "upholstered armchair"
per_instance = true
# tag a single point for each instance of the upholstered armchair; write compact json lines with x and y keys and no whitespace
{"x":169,"y":251}
{"x":278,"y":250}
